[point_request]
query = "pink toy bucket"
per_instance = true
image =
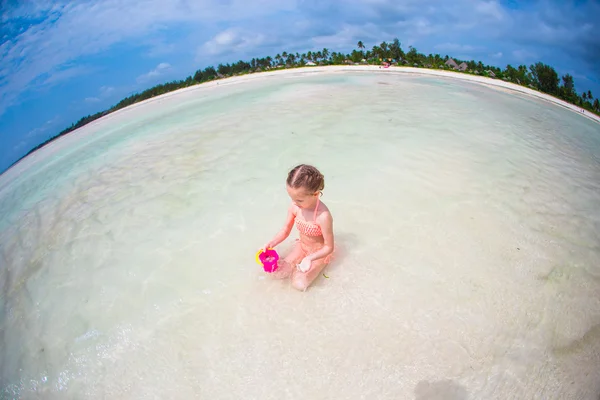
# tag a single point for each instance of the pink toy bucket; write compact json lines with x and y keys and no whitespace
{"x":268,"y":259}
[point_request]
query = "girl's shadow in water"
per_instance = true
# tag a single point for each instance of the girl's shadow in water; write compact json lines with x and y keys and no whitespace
{"x":344,"y":243}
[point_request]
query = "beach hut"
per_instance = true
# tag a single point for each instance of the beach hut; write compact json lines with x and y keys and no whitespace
{"x":463,"y":67}
{"x":310,"y":64}
{"x":451,"y":63}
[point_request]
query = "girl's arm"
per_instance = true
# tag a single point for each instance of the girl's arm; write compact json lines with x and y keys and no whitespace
{"x":285,"y":231}
{"x":326,"y":224}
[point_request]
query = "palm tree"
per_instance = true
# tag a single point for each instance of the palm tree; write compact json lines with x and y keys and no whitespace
{"x":291,"y":59}
{"x":376,"y":52}
{"x":384,"y":50}
{"x":325,"y":53}
{"x":430,"y":60}
{"x":303,"y":58}
{"x":590,"y":95}
{"x":584,"y":96}
{"x":361,"y":46}
{"x":395,"y":50}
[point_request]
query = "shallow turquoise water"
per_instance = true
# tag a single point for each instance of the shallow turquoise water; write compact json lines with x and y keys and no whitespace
{"x":466,"y":219}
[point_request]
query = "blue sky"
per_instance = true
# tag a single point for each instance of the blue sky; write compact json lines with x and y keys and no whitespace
{"x":60,"y":61}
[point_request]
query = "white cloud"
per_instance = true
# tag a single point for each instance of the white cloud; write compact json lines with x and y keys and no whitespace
{"x":418,"y":26}
{"x":64,"y":32}
{"x":455,"y":47}
{"x":490,"y":9}
{"x":496,"y":55}
{"x":20,"y":146}
{"x":347,"y":37}
{"x":159,"y":47}
{"x":232,"y":40}
{"x":56,"y":77}
{"x":53,"y":120}
{"x":522,"y":55}
{"x":33,"y":9}
{"x":33,"y":134}
{"x":104,"y":92}
{"x":160,"y":69}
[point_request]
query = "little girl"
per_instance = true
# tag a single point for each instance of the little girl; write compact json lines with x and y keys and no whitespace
{"x":313,"y":250}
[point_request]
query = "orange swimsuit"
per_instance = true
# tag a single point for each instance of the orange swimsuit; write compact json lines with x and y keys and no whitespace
{"x":311,"y":229}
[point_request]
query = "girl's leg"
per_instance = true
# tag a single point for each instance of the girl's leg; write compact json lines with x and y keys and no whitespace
{"x":302,"y":280}
{"x":288,"y":264}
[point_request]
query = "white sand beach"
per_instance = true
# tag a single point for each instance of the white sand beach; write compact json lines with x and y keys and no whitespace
{"x":466,"y":221}
{"x":495,"y":83}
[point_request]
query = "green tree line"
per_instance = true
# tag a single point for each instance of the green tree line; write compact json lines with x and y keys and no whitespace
{"x":537,"y":76}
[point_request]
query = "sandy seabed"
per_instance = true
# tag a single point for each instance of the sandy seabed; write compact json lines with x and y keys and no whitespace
{"x":466,"y":220}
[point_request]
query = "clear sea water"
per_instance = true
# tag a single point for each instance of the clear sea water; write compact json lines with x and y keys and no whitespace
{"x":467,"y":222}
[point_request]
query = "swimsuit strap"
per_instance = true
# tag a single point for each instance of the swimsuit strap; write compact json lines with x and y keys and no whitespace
{"x":316,"y":208}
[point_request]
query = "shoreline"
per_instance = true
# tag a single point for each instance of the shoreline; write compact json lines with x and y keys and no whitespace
{"x":489,"y":82}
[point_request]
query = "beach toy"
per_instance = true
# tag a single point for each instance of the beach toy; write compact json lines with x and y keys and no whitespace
{"x":304,"y":265}
{"x":268,"y":259}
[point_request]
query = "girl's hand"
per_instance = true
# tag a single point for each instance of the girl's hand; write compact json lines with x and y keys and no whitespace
{"x":305,"y":264}
{"x":267,"y":246}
